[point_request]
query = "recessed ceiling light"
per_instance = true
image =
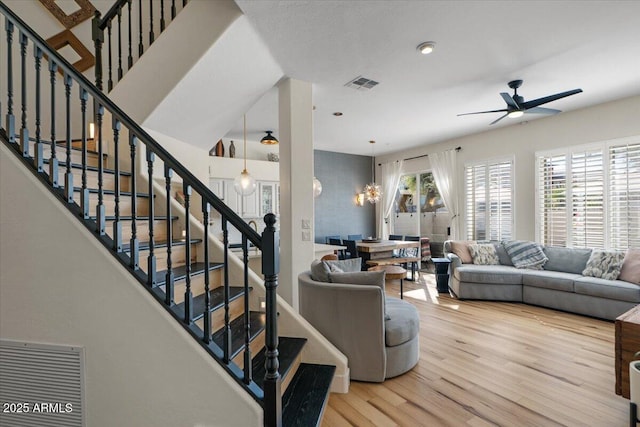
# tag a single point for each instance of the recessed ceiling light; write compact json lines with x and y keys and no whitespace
{"x":426,"y":47}
{"x":337,"y":114}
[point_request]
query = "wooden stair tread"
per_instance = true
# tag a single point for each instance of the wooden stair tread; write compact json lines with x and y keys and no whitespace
{"x":216,"y":300}
{"x":304,"y":401}
{"x":112,"y":192}
{"x":144,"y":245}
{"x":257,"y":321}
{"x":288,"y":351}
{"x":89,"y":168}
{"x":180,"y":272}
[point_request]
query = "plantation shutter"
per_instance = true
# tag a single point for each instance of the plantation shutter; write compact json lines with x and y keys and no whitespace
{"x":489,"y":200}
{"x":624,"y":196}
{"x":587,"y":199}
{"x":552,"y":196}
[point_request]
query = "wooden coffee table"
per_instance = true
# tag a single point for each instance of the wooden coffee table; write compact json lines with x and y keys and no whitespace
{"x":393,"y":272}
{"x":627,"y":343}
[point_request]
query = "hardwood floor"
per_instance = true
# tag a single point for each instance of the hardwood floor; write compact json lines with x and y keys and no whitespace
{"x":492,"y":364}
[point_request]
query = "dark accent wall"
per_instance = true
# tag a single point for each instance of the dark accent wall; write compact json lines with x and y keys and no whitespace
{"x":336,"y":212}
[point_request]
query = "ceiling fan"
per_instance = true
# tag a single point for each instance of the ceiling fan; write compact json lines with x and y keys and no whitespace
{"x":516,"y":105}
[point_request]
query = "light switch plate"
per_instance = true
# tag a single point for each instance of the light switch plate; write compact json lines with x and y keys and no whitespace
{"x":306,"y":224}
{"x":306,"y":236}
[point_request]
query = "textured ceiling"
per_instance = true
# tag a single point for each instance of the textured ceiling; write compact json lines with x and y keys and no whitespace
{"x":481,"y":45}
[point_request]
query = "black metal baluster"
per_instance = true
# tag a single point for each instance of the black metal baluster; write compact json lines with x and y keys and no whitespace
{"x":84,"y":198}
{"x":24,"y":132}
{"x":119,"y":43}
{"x":53,"y":161}
{"x":11,"y":120}
{"x":151,"y":35}
{"x":110,"y":81}
{"x":161,"y":16}
{"x":226,"y":346}
{"x":130,"y":57}
{"x":38,"y":155}
{"x":100,"y":209}
{"x":134,"y":245}
{"x":207,"y":297}
{"x":151,"y":258}
{"x":169,"y":278}
{"x":140,"y":42}
{"x":270,"y":269}
{"x":173,"y":9}
{"x":98,"y":39}
{"x":247,"y":324}
{"x":188,"y":296}
{"x":117,"y":224}
{"x":68,"y":177}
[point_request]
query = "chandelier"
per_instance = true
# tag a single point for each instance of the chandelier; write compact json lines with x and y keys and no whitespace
{"x":372,"y":191}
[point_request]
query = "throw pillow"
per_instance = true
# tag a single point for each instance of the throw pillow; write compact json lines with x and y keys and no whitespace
{"x":630,"y":271}
{"x":320,"y":271}
{"x":374,"y":278}
{"x":484,"y":254}
{"x":525,"y":254}
{"x":604,"y":264}
{"x":461,"y":249}
{"x":346,"y":265}
{"x":503,"y":256}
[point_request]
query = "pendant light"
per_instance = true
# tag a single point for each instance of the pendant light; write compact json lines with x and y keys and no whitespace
{"x":269,"y":139}
{"x":245,"y":184}
{"x":372,"y":191}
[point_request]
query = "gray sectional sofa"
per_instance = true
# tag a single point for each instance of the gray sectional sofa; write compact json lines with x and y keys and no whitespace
{"x":560,"y":285}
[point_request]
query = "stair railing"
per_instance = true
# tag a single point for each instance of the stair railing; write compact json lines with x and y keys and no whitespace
{"x":119,"y":135}
{"x":139,"y":21}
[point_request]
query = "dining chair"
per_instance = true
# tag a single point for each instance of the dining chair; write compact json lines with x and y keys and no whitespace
{"x":395,"y":237}
{"x":328,"y":238}
{"x":412,"y":253}
{"x":354,"y":236}
{"x":352,"y":249}
{"x":338,"y":242}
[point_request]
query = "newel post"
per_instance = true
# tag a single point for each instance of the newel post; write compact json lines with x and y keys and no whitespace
{"x":270,"y":270}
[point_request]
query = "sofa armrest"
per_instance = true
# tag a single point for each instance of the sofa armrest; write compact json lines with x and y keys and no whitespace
{"x":351,"y":317}
{"x":455,"y":261}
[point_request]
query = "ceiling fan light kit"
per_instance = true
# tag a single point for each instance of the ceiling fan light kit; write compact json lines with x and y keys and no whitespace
{"x":517,"y":106}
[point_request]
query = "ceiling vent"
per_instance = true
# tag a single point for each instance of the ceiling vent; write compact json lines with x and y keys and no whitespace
{"x":362,"y":83}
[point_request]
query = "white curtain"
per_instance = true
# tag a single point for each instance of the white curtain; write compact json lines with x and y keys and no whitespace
{"x":445,"y":173}
{"x":390,"y":180}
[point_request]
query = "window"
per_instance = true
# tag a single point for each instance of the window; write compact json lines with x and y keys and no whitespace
{"x":590,"y":196}
{"x":489,"y":200}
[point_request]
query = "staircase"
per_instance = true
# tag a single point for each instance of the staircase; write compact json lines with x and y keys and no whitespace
{"x":120,"y":184}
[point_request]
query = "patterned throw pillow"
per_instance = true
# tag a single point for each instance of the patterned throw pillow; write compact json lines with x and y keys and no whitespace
{"x":484,"y":254}
{"x":604,"y":264}
{"x":525,"y":254}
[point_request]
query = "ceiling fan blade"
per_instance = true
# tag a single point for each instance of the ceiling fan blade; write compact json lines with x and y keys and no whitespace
{"x":542,"y":110}
{"x":509,"y":100}
{"x":498,"y":119}
{"x":484,"y":112}
{"x":534,"y":103}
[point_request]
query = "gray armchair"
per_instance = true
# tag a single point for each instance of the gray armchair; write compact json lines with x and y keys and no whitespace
{"x":378,"y":334}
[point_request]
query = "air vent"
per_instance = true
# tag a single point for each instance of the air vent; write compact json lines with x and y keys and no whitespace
{"x":362,"y":83}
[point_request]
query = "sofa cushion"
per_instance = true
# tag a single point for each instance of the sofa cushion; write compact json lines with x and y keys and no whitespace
{"x":630,"y":271}
{"x":346,"y":265}
{"x":568,"y":260}
{"x":525,"y":254}
{"x":403,"y":324}
{"x":604,"y":264}
{"x":461,"y":248}
{"x":494,"y":274}
{"x":372,"y":278}
{"x":612,"y":289}
{"x":555,"y":280}
{"x":484,"y":254}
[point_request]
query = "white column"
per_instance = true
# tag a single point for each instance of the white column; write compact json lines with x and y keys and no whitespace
{"x":296,"y":184}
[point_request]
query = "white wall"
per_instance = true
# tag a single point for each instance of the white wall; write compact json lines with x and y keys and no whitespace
{"x":59,"y":285}
{"x":602,"y":122}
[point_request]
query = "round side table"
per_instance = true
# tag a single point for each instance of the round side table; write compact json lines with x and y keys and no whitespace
{"x":393,"y":272}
